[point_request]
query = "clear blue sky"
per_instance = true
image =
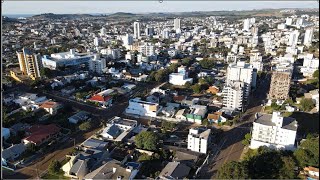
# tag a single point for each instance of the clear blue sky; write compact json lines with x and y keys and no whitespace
{"x":68,"y":7}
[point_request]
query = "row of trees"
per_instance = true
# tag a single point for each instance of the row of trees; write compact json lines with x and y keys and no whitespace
{"x":266,"y":163}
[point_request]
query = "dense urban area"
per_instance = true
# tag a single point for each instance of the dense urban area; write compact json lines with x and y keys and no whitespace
{"x":198,"y":95}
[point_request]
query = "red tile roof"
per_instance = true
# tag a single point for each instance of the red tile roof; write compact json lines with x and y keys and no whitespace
{"x":178,"y":98}
{"x":100,"y":98}
{"x":40,"y":132}
{"x":49,"y":104}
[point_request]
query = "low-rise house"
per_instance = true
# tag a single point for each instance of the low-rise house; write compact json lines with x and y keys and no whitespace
{"x":216,"y":117}
{"x":94,"y":144}
{"x":118,"y":129}
{"x":51,"y":107}
{"x":312,"y":172}
{"x":213,"y":90}
{"x":196,"y":113}
{"x":174,"y":170}
{"x":12,"y":153}
{"x":143,"y":108}
{"x":199,"y":139}
{"x":39,"y":134}
{"x":189,"y":101}
{"x":104,"y":98}
{"x":5,"y":133}
{"x":189,"y":158}
{"x":113,"y":169}
{"x":78,"y":117}
{"x":180,"y":115}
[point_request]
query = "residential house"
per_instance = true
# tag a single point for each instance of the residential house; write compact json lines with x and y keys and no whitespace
{"x":12,"y":153}
{"x":213,"y":90}
{"x":104,"y":98}
{"x":118,"y":129}
{"x":78,"y":117}
{"x":39,"y":134}
{"x":216,"y":117}
{"x":174,"y":170}
{"x":196,"y":113}
{"x":51,"y":107}
{"x":143,"y":108}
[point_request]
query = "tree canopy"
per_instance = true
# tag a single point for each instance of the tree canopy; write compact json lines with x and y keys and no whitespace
{"x":147,"y":140}
{"x":233,"y":170}
{"x":307,"y":153}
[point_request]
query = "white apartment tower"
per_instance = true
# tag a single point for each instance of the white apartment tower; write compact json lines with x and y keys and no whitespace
{"x":308,"y":37}
{"x":233,"y":96}
{"x":176,"y":23}
{"x":127,"y":40}
{"x":293,"y":38}
{"x":97,"y":65}
{"x":274,"y":131}
{"x":198,"y":140}
{"x":288,"y":21}
{"x":136,"y":30}
{"x":246,"y":25}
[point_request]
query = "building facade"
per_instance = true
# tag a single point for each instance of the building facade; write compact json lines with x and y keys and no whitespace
{"x":198,"y":140}
{"x":280,"y":85}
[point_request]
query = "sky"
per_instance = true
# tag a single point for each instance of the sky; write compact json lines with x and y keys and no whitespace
{"x":90,"y":7}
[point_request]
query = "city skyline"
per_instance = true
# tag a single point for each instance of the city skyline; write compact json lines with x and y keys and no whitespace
{"x":83,"y":7}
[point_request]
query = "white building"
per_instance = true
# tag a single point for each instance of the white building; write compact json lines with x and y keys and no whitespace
{"x":274,"y":131}
{"x":97,"y":65}
{"x":111,"y":53}
{"x":136,"y":30}
{"x":103,"y":31}
{"x":96,"y":41}
{"x":127,"y":40}
{"x":198,"y":140}
{"x":117,"y":128}
{"x":147,"y":50}
{"x":308,"y":37}
{"x":246,"y":25}
{"x":176,"y":23}
{"x":310,"y":65}
{"x":142,"y":108}
{"x":180,"y":78}
{"x":293,"y":38}
{"x":288,"y":21}
{"x":233,"y":96}
{"x":165,"y":34}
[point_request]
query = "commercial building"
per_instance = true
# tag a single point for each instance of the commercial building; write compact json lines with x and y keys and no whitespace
{"x":142,"y":108}
{"x":65,"y":59}
{"x":29,"y":63}
{"x":198,"y":140}
{"x":274,"y":131}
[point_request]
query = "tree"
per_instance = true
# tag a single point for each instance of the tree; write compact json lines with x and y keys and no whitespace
{"x":186,"y":61}
{"x":147,"y":140}
{"x":233,"y":170}
{"x":85,"y":126}
{"x":54,"y":167}
{"x":160,"y":76}
{"x":306,"y":104}
{"x":196,"y":88}
{"x":46,"y":72}
{"x":207,"y":64}
{"x":187,"y":85}
{"x":307,"y":153}
{"x":316,"y":74}
{"x":173,"y":68}
{"x":166,"y":125}
{"x":287,"y":169}
{"x":247,"y":139}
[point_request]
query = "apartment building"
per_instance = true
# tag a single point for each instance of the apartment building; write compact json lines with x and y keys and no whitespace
{"x":97,"y":64}
{"x":180,"y":78}
{"x":29,"y":63}
{"x":198,"y":140}
{"x":233,"y":96}
{"x":274,"y":131}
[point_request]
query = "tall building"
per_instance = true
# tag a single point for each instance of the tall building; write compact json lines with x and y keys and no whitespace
{"x":310,"y":65}
{"x":147,"y":50}
{"x":136,"y":30}
{"x":274,"y":131}
{"x":177,"y":23}
{"x":149,"y":31}
{"x":308,"y":37}
{"x":96,"y":41}
{"x":288,"y":21}
{"x":293,"y":38}
{"x":103,"y":31}
{"x":97,"y":65}
{"x":246,"y":25}
{"x":198,"y":140}
{"x":165,"y":34}
{"x":280,"y":85}
{"x":127,"y":40}
{"x":233,"y":96}
{"x":29,"y":63}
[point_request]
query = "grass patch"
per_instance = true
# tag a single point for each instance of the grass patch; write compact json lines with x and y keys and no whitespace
{"x":60,"y":175}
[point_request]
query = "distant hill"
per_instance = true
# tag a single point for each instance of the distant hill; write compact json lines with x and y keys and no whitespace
{"x":60,"y":16}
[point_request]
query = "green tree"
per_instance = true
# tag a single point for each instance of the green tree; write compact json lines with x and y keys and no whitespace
{"x":233,"y":170}
{"x":160,"y":76}
{"x":196,"y":88}
{"x":287,"y":169}
{"x":85,"y":126}
{"x":54,"y":167}
{"x":306,"y":104}
{"x":147,"y":140}
{"x":316,"y":74}
{"x":186,"y":61}
{"x":166,"y":125}
{"x":307,"y":153}
{"x":144,"y":157}
{"x":247,"y":139}
{"x":46,"y":72}
{"x":187,"y":85}
{"x":173,"y":68}
{"x":207,"y":64}
{"x":202,"y":81}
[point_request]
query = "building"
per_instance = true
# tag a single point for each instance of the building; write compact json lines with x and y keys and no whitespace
{"x":310,"y":65}
{"x":149,"y":31}
{"x":293,"y":38}
{"x":96,"y":41}
{"x":65,"y":59}
{"x":12,"y":153}
{"x":233,"y":96}
{"x":103,"y":98}
{"x":117,"y":129}
{"x":288,"y":21}
{"x":180,"y":78}
{"x":280,"y":85}
{"x":142,"y":108}
{"x":127,"y":40}
{"x":29,"y":63}
{"x":274,"y":131}
{"x":198,"y":140}
{"x":136,"y":30}
{"x":165,"y":33}
{"x":308,"y":37}
{"x":246,"y":25}
{"x":176,"y":24}
{"x":196,"y":113}
{"x":97,"y":65}
{"x":174,"y":170}
{"x":51,"y":107}
{"x":39,"y":134}
{"x":147,"y":50}
{"x":79,"y":117}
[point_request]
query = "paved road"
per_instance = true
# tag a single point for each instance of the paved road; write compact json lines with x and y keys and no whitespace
{"x":40,"y":167}
{"x":230,"y":147}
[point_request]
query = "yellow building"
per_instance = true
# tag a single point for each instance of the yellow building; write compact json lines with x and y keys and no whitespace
{"x":29,"y":64}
